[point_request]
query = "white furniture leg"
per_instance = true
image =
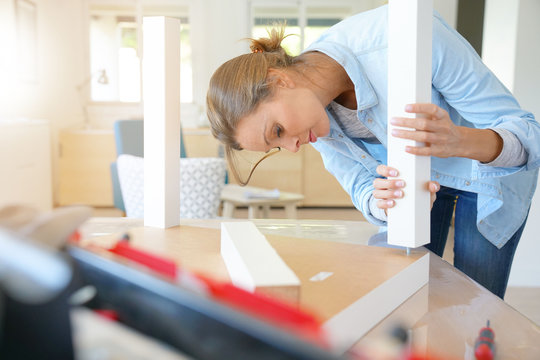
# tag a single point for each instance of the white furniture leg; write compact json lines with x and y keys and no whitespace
{"x":265,"y":211}
{"x":253,"y":211}
{"x":228,"y":209}
{"x":409,"y":81}
{"x":161,"y":95}
{"x":290,"y":211}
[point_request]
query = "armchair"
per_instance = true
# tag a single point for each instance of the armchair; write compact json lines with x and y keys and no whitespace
{"x":201,"y":183}
{"x":129,"y":139}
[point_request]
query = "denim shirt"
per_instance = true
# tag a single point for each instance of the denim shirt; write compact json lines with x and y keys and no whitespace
{"x":463,"y":86}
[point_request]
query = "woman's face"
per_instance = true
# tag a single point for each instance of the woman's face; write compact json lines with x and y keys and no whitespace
{"x":292,"y":117}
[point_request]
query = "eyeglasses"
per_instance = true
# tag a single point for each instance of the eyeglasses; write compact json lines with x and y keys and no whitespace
{"x":267,"y":155}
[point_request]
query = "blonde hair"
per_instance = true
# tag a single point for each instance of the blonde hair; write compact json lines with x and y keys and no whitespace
{"x":239,"y":85}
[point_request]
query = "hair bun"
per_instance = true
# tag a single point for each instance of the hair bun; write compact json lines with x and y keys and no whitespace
{"x":272,"y":43}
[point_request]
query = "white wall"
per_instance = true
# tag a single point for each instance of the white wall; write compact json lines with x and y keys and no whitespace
{"x":448,"y":10}
{"x":499,"y":39}
{"x":511,"y":48}
{"x":60,"y":65}
{"x":526,"y":269}
{"x":60,"y":59}
{"x":218,"y":28}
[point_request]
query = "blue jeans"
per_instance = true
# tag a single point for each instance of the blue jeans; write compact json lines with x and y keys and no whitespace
{"x":473,"y":254}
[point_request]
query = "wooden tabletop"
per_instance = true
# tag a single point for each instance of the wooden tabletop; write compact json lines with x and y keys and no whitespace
{"x":444,"y":317}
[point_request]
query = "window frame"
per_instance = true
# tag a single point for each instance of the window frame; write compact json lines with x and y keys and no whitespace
{"x":135,"y":9}
{"x":348,"y":7}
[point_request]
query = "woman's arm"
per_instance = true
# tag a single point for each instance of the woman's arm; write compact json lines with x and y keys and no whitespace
{"x":484,"y":145}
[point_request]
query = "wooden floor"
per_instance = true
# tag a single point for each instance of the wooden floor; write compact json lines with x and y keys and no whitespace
{"x":524,"y":300}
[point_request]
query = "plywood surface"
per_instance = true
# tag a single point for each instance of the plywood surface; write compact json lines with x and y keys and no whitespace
{"x":356,"y":269}
{"x":458,"y":306}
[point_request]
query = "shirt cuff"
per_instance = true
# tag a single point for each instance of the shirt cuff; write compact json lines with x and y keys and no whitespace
{"x":376,"y":211}
{"x":512,"y":154}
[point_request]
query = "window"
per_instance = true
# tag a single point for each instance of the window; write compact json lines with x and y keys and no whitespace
{"x":115,"y":37}
{"x":304,"y":23}
{"x":266,"y":17}
{"x":129,"y":80}
{"x":320,"y":19}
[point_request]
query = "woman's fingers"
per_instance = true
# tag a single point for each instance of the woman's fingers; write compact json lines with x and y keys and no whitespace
{"x":433,"y":187}
{"x":423,"y":124}
{"x":384,"y":184}
{"x":386,"y":171}
{"x":386,"y":190}
{"x":388,"y":194}
{"x":385,"y":204}
{"x":429,"y":109}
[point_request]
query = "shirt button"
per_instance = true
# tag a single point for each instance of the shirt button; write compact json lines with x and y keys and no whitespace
{"x":437,"y":176}
{"x":341,"y":136}
{"x":370,"y":120}
{"x":467,"y":183}
{"x":363,"y":156}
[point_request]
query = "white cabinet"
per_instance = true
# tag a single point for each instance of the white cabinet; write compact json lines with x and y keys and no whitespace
{"x":86,"y":155}
{"x":85,"y":160}
{"x":25,"y":163}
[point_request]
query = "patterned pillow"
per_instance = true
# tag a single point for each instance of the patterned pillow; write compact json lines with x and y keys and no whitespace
{"x":201,"y":182}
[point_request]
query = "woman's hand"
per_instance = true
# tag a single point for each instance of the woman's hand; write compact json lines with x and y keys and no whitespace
{"x":441,"y":137}
{"x":386,"y":190}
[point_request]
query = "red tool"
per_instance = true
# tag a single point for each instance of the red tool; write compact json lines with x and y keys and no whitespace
{"x":484,"y":347}
{"x":269,"y":309}
{"x":164,"y":266}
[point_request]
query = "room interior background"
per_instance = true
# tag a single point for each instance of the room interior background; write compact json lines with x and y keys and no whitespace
{"x":68,"y":65}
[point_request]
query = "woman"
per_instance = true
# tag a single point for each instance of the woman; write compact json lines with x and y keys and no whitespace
{"x":485,"y":148}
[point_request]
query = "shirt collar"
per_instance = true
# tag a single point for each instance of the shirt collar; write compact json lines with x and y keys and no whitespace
{"x":365,"y":95}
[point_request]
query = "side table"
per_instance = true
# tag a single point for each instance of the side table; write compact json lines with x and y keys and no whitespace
{"x":234,"y":195}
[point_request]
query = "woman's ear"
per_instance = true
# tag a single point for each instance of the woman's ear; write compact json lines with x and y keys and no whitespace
{"x":279,"y":78}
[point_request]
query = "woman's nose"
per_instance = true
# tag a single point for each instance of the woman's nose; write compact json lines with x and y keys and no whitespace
{"x":293,"y":144}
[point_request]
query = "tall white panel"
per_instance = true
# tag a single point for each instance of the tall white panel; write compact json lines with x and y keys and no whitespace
{"x":409,"y":81}
{"x":161,"y":97}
